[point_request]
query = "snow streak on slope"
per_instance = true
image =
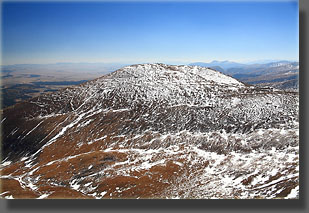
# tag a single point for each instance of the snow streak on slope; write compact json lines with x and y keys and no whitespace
{"x":154,"y":131}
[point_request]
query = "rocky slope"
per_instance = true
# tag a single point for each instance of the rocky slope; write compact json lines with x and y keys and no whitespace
{"x":153,"y":131}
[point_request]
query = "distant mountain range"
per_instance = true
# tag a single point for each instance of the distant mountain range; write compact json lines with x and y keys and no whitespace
{"x":223,"y":64}
{"x":278,"y":74}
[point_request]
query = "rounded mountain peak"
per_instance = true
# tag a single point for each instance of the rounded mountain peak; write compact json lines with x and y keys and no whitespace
{"x":180,"y":74}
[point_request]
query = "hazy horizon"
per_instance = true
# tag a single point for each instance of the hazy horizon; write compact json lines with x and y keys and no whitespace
{"x":145,"y":62}
{"x":148,"y":32}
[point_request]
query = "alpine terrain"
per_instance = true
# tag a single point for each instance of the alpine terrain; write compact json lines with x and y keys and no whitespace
{"x":153,"y":131}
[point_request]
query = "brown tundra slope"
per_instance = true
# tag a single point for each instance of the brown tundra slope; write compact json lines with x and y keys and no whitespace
{"x":153,"y":131}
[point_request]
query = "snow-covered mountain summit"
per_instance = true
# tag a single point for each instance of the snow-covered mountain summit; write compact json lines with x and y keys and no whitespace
{"x":158,"y":82}
{"x":180,"y":74}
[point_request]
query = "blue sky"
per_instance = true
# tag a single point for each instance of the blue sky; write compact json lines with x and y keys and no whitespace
{"x":135,"y":32}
